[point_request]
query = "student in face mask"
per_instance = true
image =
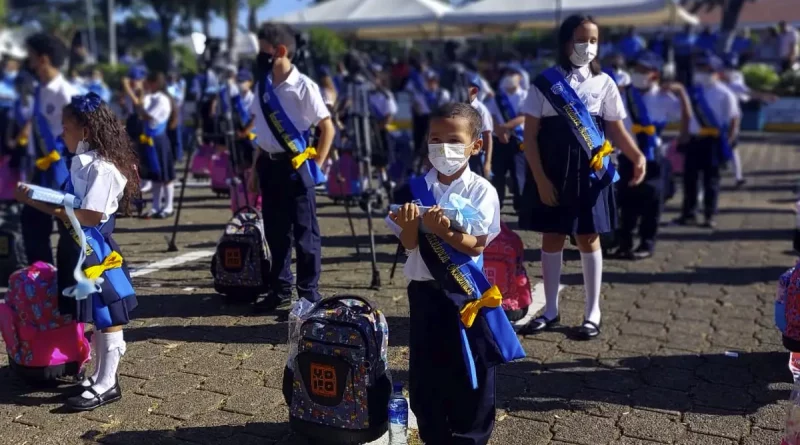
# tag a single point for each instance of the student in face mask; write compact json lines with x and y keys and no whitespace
{"x":649,"y":108}
{"x":508,"y":157}
{"x":569,"y":114}
{"x":714,"y":131}
{"x":734,"y":80}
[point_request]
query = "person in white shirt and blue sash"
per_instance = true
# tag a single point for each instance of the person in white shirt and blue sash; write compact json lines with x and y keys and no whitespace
{"x":426,"y":94}
{"x":242,"y":102}
{"x":482,"y":163}
{"x":459,"y":332}
{"x":103,"y":176}
{"x":508,"y":158}
{"x":568,"y":113}
{"x":649,"y":108}
{"x":714,"y":131}
{"x":45,"y":54}
{"x":287,"y":105}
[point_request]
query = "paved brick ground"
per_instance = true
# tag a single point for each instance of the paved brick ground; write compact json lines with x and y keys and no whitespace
{"x":200,"y":371}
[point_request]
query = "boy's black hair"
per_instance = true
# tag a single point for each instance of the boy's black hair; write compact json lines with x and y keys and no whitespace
{"x":565,"y":35}
{"x":43,"y":44}
{"x":279,"y":34}
{"x":462,"y":110}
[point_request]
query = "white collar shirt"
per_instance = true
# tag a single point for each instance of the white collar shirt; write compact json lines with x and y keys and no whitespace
{"x":517,"y":98}
{"x":723,"y":103}
{"x":98,"y":183}
{"x":52,"y":98}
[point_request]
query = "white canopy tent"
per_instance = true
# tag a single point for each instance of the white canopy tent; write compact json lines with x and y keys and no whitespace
{"x":502,"y":16}
{"x":377,"y":19}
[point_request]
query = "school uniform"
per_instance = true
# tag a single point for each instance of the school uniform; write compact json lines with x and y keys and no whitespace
{"x":177,"y":92}
{"x":287,"y":191}
{"x":23,"y":148}
{"x":451,"y":365}
{"x":242,"y":102}
{"x":382,"y":106}
{"x":586,"y":202}
{"x":99,"y":185}
{"x":423,"y":101}
{"x":156,"y":156}
{"x":509,"y":158}
{"x":714,"y":106}
{"x":51,"y":171}
{"x":641,"y":205}
{"x":476,"y":162}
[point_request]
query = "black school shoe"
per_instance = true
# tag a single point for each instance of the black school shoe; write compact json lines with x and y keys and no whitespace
{"x":588,"y":330}
{"x":78,"y":403}
{"x":540,"y":324}
{"x":269,"y":303}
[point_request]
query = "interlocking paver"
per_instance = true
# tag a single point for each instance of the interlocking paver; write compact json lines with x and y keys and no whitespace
{"x":689,"y":353}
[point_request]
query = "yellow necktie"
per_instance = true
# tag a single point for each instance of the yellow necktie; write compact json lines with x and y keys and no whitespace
{"x":491,"y":298}
{"x":310,"y":153}
{"x":709,"y":132}
{"x":649,"y":130}
{"x":45,"y":162}
{"x":145,"y":139}
{"x":596,"y":163}
{"x":112,"y":261}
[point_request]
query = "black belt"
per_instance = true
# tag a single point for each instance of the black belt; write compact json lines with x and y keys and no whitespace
{"x":282,"y":156}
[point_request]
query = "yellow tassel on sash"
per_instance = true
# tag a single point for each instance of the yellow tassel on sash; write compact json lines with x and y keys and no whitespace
{"x":310,"y":153}
{"x":709,"y":132}
{"x":145,"y":139}
{"x":112,"y":261}
{"x":649,"y":130}
{"x":596,"y":163}
{"x":22,"y":140}
{"x":521,"y":146}
{"x":251,"y":136}
{"x":45,"y":162}
{"x":491,"y":298}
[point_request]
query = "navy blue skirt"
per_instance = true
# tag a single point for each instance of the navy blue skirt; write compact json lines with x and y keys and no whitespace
{"x":162,"y":156}
{"x":84,"y":311}
{"x":584,"y":207}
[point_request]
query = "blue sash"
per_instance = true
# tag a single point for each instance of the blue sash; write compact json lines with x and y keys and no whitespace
{"x":57,"y":174}
{"x":569,"y":106}
{"x":430,"y":97}
{"x":375,"y":111}
{"x":150,"y":155}
{"x":288,"y":136}
{"x":464,"y":282}
{"x":709,"y":126}
{"x":644,"y":129}
{"x":117,"y":283}
{"x":509,"y":113}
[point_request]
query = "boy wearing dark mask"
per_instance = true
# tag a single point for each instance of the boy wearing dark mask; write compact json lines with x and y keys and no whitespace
{"x":287,"y":105}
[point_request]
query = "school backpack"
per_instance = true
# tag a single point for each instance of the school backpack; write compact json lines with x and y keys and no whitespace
{"x":220,"y":171}
{"x":42,"y":344}
{"x":241,"y":196}
{"x":787,"y":308}
{"x":503,"y":264}
{"x":337,"y":387}
{"x":241,"y":263}
{"x":201,"y":161}
{"x":343,"y":178}
{"x":12,"y":248}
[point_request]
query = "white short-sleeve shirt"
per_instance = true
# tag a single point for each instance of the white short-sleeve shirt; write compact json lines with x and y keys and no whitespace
{"x":384,"y":103}
{"x":723,"y":103}
{"x":301,"y":100}
{"x":486,"y":116}
{"x":517,"y":98}
{"x":52,"y":99}
{"x":98,"y":183}
{"x":479,"y":192}
{"x":158,"y":106}
{"x":247,"y":99}
{"x":662,"y":106}
{"x":598,"y":92}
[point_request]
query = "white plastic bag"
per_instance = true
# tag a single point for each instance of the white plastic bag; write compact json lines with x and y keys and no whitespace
{"x":301,"y":309}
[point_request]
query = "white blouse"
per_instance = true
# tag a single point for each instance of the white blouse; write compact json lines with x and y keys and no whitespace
{"x":98,"y":183}
{"x":158,"y":106}
{"x":598,"y":92}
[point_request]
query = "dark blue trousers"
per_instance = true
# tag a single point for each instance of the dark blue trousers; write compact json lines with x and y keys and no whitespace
{"x":448,"y":410}
{"x":36,"y":230}
{"x":701,"y":160}
{"x":508,"y":160}
{"x":640,"y":206}
{"x":290,"y":213}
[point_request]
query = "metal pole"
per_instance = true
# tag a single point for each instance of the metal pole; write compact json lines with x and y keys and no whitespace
{"x":112,"y":35}
{"x":558,"y":14}
{"x":92,"y":36}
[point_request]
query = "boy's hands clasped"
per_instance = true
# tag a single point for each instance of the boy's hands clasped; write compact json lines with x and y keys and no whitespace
{"x":407,"y":217}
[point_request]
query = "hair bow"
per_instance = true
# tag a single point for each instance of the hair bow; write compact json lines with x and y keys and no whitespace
{"x":87,"y":103}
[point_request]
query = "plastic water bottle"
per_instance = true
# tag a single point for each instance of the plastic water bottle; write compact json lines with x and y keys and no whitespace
{"x":398,"y":417}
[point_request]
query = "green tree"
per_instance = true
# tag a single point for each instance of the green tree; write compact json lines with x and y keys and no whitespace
{"x":252,"y":9}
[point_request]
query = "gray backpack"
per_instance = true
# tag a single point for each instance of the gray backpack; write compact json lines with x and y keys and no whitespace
{"x":242,"y":261}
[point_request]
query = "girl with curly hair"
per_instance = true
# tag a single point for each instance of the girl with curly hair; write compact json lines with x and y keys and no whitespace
{"x":103,"y":176}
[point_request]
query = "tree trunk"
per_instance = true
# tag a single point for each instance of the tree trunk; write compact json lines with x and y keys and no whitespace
{"x":730,"y":16}
{"x":232,"y":17}
{"x":166,"y":26}
{"x":252,"y":19}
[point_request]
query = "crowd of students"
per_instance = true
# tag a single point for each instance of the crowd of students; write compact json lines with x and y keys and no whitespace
{"x":551,"y":138}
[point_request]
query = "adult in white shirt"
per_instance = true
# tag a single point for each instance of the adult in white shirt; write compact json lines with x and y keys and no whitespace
{"x":787,"y":45}
{"x":481,"y":162}
{"x":46,"y":53}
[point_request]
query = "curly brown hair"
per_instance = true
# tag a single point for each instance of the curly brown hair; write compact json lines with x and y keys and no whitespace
{"x":108,"y":138}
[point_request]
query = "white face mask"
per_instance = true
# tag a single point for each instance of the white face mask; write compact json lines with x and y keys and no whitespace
{"x":447,"y":159}
{"x":508,"y":84}
{"x":641,"y":81}
{"x":583,"y":54}
{"x":82,"y":147}
{"x":701,"y":78}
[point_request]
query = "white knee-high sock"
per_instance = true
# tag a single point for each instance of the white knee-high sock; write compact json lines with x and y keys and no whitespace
{"x":97,"y":345}
{"x":592,"y":279}
{"x":551,"y":274}
{"x":737,"y":165}
{"x":146,"y":186}
{"x":113,"y":350}
{"x":170,"y":196}
{"x":158,"y":192}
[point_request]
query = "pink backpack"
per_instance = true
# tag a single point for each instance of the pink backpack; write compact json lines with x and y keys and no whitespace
{"x":504,"y":267}
{"x":343,"y":179}
{"x":238,"y":189}
{"x":220,"y":170}
{"x":201,"y":161}
{"x":8,"y":179}
{"x":41,"y":343}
